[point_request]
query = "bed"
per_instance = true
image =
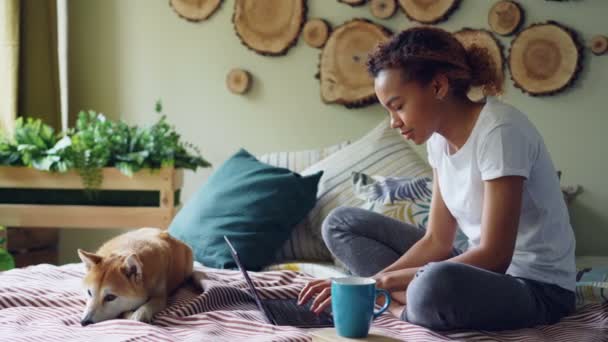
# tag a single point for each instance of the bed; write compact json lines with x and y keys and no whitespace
{"x":45,"y":302}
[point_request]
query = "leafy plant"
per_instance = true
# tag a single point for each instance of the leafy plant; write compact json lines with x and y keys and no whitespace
{"x":96,"y":142}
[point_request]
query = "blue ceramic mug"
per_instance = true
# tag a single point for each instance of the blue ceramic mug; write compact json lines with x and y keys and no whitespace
{"x":352,"y":303}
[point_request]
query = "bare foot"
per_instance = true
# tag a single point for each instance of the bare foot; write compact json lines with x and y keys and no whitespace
{"x":399,"y":297}
{"x":396,"y":309}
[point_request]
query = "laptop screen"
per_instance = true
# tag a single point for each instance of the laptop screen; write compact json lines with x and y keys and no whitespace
{"x":235,"y":256}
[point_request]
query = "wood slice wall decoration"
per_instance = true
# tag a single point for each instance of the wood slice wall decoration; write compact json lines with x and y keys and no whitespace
{"x":428,"y":11}
{"x":599,"y":45}
{"x":545,"y":59}
{"x":484,"y":39}
{"x":383,"y":9}
{"x":342,"y":71}
{"x":195,"y":10}
{"x":316,"y":32}
{"x":353,"y":2}
{"x":505,"y":17}
{"x":238,"y":81}
{"x":269,"y":27}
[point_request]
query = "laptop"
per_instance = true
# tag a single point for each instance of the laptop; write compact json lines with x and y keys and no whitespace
{"x":283,"y":311}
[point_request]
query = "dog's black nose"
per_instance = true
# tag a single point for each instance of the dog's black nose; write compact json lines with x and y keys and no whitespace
{"x":86,"y":322}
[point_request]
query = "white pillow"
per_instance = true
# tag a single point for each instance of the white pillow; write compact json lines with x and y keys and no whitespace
{"x":299,"y":246}
{"x":382,"y":151}
{"x":300,"y":160}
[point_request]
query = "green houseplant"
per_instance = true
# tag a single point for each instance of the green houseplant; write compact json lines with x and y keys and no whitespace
{"x":96,"y":142}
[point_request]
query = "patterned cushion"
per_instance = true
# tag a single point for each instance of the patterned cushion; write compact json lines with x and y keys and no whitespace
{"x":382,"y":151}
{"x":591,"y":285}
{"x":406,"y":199}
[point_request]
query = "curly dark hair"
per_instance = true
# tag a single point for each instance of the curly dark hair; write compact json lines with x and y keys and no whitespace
{"x":424,"y":52}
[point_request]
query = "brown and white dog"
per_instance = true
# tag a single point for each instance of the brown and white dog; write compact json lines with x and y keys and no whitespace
{"x":132,"y":275}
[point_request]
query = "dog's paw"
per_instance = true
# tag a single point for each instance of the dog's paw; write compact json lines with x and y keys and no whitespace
{"x":126,"y":314}
{"x":199,"y":279}
{"x":142,"y":314}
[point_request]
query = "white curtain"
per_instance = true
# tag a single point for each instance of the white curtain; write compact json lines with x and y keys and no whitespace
{"x":62,"y":54}
{"x":33,"y":61}
{"x":9,"y":63}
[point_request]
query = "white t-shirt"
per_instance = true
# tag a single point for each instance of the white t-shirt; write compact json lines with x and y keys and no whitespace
{"x":505,"y":143}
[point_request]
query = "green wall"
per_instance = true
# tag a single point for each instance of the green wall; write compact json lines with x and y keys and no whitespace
{"x":126,"y":54}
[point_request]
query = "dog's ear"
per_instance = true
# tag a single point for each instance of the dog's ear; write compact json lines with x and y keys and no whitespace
{"x":89,"y":259}
{"x":132,"y":267}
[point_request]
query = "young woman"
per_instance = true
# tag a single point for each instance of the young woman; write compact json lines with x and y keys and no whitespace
{"x":493,"y":178}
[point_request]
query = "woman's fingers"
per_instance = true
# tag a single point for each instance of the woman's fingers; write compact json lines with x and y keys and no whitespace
{"x":306,"y":288}
{"x":323,"y":306}
{"x":311,"y":289}
{"x":305,"y":292}
{"x":321,"y":297}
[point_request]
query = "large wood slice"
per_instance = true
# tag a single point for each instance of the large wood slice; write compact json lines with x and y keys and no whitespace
{"x":545,"y":58}
{"x":342,"y":71}
{"x":195,"y":10}
{"x":316,"y":32}
{"x":269,"y":27}
{"x":505,"y":17}
{"x":353,"y":2}
{"x":383,"y":9}
{"x":485,"y":39}
{"x":428,"y":11}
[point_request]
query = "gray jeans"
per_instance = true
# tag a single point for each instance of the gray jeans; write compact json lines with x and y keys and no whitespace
{"x":443,"y":295}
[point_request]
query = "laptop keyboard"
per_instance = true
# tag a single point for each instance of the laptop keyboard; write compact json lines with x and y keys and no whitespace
{"x":288,"y":312}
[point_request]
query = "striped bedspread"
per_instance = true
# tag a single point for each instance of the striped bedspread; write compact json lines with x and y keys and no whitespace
{"x":44,"y":303}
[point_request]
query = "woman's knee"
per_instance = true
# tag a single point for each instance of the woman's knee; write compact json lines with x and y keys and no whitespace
{"x":337,"y":223}
{"x":431,"y":294}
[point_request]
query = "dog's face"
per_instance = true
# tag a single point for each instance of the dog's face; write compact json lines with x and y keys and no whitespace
{"x":112,"y":286}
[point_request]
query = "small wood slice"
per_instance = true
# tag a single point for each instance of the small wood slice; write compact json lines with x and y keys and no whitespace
{"x":505,"y":17}
{"x":195,"y":10}
{"x":482,"y":38}
{"x":238,"y":81}
{"x":383,"y":9}
{"x":428,"y":11}
{"x":545,"y":59}
{"x":353,"y":2}
{"x":269,"y":27}
{"x":599,"y":45}
{"x":316,"y":32}
{"x":342,"y":71}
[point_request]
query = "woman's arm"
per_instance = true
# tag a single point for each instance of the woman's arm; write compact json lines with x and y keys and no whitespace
{"x":499,"y":223}
{"x":437,"y":243}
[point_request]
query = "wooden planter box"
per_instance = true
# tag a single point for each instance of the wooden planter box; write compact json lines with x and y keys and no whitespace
{"x":37,"y":199}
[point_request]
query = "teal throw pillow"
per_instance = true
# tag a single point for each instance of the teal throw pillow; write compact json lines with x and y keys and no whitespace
{"x":256,"y":205}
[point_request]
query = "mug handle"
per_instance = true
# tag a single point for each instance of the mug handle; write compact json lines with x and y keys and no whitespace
{"x":387,"y":302}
